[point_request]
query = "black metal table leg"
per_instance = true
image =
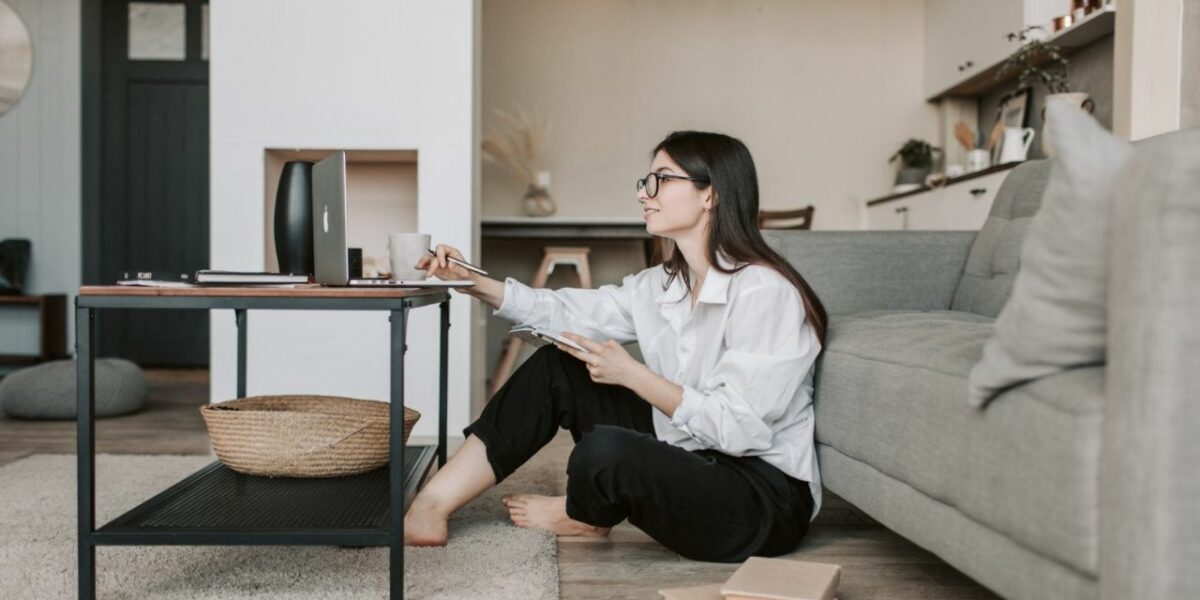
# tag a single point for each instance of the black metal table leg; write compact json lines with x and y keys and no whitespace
{"x":239,"y":315}
{"x":85,"y":448}
{"x":399,"y":322}
{"x":442,"y":361}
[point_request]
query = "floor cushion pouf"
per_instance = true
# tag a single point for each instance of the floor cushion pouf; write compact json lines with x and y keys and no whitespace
{"x":47,"y":391}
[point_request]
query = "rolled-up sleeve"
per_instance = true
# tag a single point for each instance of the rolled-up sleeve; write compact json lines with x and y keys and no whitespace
{"x":769,"y":351}
{"x":601,"y":314}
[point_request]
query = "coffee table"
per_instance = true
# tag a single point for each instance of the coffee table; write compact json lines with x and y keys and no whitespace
{"x":218,"y":506}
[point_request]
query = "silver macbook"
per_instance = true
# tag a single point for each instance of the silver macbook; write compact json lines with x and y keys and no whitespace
{"x":330,"y":258}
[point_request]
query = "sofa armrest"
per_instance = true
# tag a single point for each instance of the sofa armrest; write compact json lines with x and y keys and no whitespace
{"x":856,"y":271}
{"x":1150,"y":501}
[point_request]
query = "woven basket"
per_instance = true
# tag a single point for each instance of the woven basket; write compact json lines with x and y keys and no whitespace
{"x":302,"y":436}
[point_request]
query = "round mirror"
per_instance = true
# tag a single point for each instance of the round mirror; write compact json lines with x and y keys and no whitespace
{"x":16,"y":57}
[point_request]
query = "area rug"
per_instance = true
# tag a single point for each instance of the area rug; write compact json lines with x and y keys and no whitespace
{"x":487,"y":556}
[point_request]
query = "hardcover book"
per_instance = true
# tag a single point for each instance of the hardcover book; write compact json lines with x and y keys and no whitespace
{"x":780,"y":579}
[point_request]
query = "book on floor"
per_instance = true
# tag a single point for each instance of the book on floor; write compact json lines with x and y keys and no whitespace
{"x":711,"y":591}
{"x":780,"y":579}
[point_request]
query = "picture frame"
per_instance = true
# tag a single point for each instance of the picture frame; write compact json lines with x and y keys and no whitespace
{"x":1013,"y":112}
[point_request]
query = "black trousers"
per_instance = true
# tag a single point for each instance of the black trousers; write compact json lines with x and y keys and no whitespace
{"x":704,"y":505}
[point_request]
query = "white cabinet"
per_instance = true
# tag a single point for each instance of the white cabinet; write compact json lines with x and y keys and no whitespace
{"x":960,"y":206}
{"x":966,"y":204}
{"x":916,"y":212}
{"x":966,"y":37}
{"x":963,"y":38}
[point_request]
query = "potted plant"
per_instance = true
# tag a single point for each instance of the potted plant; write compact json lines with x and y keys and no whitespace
{"x":916,"y":160}
{"x":1037,"y":61}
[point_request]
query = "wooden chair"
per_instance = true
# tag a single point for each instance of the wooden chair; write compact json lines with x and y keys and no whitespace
{"x":776,"y":216}
{"x":552,"y":256}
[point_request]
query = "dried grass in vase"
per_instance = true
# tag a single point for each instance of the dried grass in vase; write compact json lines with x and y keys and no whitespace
{"x":517,"y":147}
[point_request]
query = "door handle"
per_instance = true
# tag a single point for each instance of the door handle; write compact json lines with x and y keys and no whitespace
{"x":978,"y":191}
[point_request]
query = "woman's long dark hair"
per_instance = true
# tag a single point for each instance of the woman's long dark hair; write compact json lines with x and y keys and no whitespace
{"x":724,"y":163}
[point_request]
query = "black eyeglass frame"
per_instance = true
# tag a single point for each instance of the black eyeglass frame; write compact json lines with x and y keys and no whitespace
{"x":645,"y":181}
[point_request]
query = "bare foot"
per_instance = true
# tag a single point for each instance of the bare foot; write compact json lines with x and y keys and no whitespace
{"x":549,"y":513}
{"x":424,"y":525}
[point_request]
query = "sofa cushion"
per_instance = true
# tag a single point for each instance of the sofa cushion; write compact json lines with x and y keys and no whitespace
{"x":883,"y":386}
{"x":1055,"y":319}
{"x":889,"y":392}
{"x":992,"y":264}
{"x":1032,"y":463}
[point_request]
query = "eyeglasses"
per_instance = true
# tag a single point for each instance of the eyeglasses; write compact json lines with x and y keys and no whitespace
{"x":650,"y":182}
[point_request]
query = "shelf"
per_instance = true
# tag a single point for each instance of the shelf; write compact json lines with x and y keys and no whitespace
{"x":27,"y":300}
{"x":217,"y":505}
{"x":949,"y":182}
{"x":29,"y":359}
{"x":1091,"y":28}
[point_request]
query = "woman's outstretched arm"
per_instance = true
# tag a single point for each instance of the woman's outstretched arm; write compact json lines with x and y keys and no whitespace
{"x":489,"y":290}
{"x":604,"y":313}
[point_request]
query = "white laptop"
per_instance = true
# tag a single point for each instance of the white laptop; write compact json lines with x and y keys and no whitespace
{"x":330,"y":258}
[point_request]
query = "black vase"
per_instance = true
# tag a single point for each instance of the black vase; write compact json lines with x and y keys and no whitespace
{"x":293,"y":218}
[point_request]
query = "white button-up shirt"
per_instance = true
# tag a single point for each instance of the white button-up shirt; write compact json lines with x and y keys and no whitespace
{"x":744,"y":355}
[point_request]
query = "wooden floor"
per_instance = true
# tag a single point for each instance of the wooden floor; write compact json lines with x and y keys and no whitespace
{"x":628,"y":564}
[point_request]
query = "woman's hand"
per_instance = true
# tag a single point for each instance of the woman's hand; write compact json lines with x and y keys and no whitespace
{"x":607,"y":362}
{"x":485,"y":288}
{"x":441,"y":266}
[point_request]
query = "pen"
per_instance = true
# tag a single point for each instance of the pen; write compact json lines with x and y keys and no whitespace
{"x":465,"y":265}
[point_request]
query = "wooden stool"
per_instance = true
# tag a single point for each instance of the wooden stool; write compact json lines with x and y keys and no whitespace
{"x":552,"y":256}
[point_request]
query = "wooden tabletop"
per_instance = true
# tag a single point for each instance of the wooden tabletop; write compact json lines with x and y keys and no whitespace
{"x":302,"y":291}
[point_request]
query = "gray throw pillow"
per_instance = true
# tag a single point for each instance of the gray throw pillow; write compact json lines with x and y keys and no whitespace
{"x":1055,"y":318}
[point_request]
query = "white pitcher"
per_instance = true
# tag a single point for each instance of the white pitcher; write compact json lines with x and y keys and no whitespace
{"x":1015,"y":145}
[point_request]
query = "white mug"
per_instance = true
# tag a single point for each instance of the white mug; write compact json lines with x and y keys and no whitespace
{"x":1015,"y":144}
{"x":978,"y":160}
{"x":405,"y":251}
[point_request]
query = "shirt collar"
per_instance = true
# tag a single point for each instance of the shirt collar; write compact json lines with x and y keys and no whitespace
{"x":715,"y":289}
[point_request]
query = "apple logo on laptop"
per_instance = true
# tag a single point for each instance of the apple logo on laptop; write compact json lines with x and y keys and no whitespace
{"x":326,"y":218}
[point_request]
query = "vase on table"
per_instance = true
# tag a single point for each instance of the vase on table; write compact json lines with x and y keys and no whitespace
{"x":293,"y":218}
{"x":537,"y":201}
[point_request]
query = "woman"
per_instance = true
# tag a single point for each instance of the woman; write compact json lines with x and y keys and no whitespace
{"x":708,"y":446}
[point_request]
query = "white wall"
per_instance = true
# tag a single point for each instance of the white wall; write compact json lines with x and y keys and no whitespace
{"x":1148,"y":63}
{"x":369,"y":74}
{"x":821,"y":92}
{"x":39,"y":166}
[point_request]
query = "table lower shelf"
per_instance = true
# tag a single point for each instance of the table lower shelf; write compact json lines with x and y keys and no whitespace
{"x":219,"y":506}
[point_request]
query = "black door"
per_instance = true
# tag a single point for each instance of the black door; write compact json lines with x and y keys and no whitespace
{"x":153,"y":200}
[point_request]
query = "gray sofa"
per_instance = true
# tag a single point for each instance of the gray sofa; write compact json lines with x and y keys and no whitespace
{"x":1082,"y":484}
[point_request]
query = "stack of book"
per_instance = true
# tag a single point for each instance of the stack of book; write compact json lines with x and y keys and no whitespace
{"x":248,"y":278}
{"x":210,"y":277}
{"x":768,"y":578}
